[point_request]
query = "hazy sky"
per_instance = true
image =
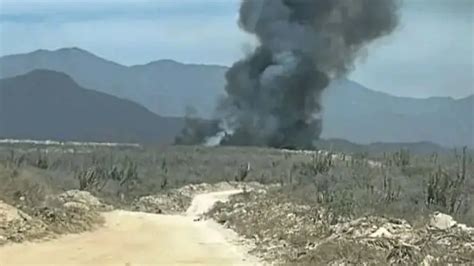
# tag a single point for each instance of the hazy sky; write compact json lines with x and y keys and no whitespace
{"x":431,"y":53}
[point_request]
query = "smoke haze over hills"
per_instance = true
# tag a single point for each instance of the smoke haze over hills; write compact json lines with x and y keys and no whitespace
{"x":354,"y":112}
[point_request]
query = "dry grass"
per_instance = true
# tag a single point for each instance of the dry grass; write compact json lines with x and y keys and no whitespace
{"x":406,"y":185}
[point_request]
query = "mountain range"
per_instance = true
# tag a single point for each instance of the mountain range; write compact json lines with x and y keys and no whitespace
{"x":351,"y":111}
{"x":165,"y":87}
{"x":45,"y":104}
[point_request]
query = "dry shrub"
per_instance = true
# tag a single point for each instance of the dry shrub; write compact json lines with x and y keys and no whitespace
{"x":343,"y":252}
{"x":72,"y":219}
{"x":25,"y":188}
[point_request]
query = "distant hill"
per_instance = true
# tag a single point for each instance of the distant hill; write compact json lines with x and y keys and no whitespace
{"x":355,"y":113}
{"x":351,"y":112}
{"x":340,"y":145}
{"x":165,"y":87}
{"x":45,"y":104}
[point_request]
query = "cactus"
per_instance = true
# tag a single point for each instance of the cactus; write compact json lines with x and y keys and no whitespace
{"x":446,"y":191}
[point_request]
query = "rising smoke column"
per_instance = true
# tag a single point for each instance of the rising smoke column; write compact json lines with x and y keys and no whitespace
{"x":273,"y":95}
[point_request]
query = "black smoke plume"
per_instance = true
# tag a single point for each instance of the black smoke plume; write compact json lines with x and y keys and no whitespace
{"x":273,"y":95}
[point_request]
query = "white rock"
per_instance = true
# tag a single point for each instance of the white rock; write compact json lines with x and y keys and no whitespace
{"x":83,"y":197}
{"x":442,"y":221}
{"x":76,"y":205}
{"x":465,"y":228}
{"x":79,"y":196}
{"x":428,"y":260}
{"x":9,"y":214}
{"x":382,"y":232}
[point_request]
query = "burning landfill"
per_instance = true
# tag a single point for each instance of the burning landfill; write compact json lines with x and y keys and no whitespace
{"x":273,"y":95}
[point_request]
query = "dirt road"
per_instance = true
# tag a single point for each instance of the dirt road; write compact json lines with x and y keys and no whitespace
{"x":130,"y":238}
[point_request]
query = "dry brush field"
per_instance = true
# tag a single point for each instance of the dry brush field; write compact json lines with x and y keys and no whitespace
{"x":322,"y":196}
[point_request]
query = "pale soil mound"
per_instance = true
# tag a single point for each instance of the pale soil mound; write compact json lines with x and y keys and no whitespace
{"x":285,"y":232}
{"x":69,"y":212}
{"x":73,"y":211}
{"x":72,"y":218}
{"x":173,"y":202}
{"x":75,"y":198}
{"x":17,"y":226}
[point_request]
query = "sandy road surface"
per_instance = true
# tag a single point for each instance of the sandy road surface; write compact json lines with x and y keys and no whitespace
{"x":139,"y":239}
